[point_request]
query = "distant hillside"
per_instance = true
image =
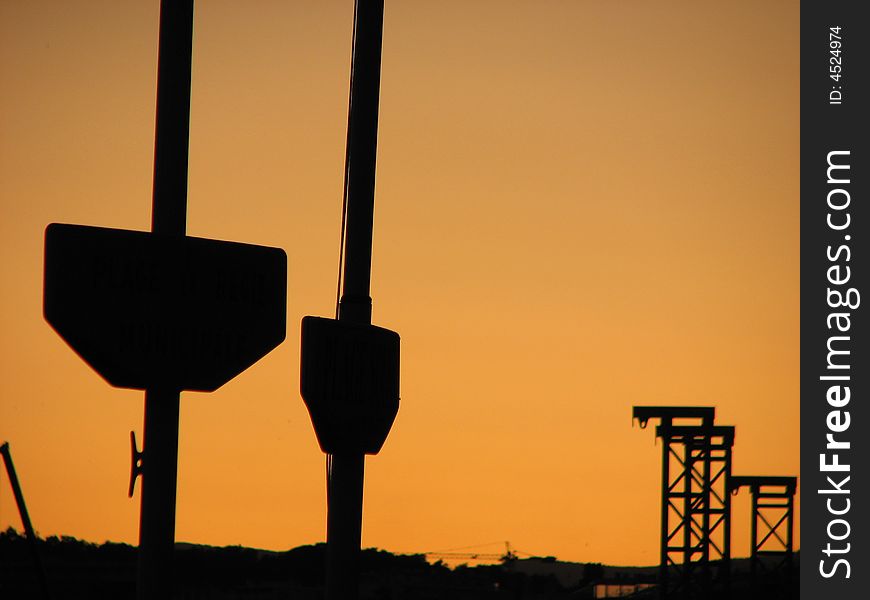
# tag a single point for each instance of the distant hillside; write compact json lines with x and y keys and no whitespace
{"x":78,"y":570}
{"x":82,"y":570}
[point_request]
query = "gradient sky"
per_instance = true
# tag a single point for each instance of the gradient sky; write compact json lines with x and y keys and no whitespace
{"x":581,"y":206}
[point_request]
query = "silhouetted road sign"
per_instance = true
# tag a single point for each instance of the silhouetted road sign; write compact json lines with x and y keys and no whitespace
{"x":350,"y":383}
{"x":150,"y":311}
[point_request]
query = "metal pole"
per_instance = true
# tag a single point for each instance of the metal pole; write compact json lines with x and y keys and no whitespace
{"x":706,"y":495}
{"x":25,"y":518}
{"x":344,"y":514}
{"x":665,"y":528}
{"x":344,"y":526}
{"x":753,"y":558}
{"x":362,"y":139}
{"x":168,"y":218}
{"x":157,"y":515}
{"x":789,"y":546}
{"x":688,"y":465}
{"x":726,"y":544}
{"x":171,"y":138}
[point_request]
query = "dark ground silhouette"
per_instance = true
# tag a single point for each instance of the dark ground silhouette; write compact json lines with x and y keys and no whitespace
{"x":78,"y":570}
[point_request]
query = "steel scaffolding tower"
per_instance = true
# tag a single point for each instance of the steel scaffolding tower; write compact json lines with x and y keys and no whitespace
{"x":696,"y":505}
{"x":771,"y":560}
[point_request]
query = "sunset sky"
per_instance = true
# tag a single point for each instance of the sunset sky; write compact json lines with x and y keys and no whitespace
{"x":581,"y":206}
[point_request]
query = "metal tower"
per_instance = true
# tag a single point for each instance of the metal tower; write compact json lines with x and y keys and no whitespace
{"x":696,"y":507}
{"x":771,"y":560}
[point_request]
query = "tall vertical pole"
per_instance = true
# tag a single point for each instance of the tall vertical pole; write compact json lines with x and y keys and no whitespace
{"x":159,"y":475}
{"x":665,"y":528}
{"x":687,"y":567}
{"x":726,"y":544}
{"x":706,"y":495}
{"x":168,"y":218}
{"x":790,"y":579}
{"x":789,"y":540}
{"x":172,"y":133}
{"x":753,"y":558}
{"x":344,"y":514}
{"x":25,"y":518}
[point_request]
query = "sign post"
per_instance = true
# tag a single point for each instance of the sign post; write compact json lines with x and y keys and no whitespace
{"x":169,"y":218}
{"x":350,"y":369}
{"x":161,"y":311}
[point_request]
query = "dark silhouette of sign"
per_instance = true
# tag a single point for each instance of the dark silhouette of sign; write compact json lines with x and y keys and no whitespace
{"x":146,"y":310}
{"x":350,"y":383}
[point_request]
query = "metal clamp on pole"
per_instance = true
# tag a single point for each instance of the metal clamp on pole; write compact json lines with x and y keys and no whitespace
{"x":136,"y":457}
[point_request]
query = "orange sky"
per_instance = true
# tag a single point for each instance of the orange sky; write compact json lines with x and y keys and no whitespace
{"x":581,"y":206}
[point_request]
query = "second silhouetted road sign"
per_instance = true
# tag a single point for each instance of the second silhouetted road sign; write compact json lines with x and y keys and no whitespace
{"x":350,"y":383}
